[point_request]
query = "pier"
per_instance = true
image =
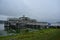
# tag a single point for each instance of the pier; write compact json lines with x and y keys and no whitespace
{"x":24,"y":22}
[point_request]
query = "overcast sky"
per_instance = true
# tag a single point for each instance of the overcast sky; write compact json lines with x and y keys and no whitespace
{"x":42,"y":10}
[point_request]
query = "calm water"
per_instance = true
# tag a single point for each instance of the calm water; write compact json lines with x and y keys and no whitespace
{"x":2,"y":32}
{"x":1,"y":26}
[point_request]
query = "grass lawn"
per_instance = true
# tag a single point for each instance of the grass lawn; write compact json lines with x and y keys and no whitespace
{"x":45,"y":34}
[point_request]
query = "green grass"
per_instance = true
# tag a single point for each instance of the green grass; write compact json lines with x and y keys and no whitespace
{"x":45,"y":34}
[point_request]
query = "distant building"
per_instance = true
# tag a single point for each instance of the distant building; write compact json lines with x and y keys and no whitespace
{"x":24,"y":22}
{"x":55,"y":25}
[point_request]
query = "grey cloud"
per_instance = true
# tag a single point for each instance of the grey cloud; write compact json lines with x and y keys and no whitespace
{"x":46,"y":10}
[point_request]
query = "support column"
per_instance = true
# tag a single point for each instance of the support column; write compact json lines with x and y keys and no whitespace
{"x":41,"y":27}
{"x":47,"y":27}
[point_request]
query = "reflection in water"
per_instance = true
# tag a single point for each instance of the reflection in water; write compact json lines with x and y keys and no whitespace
{"x":2,"y":32}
